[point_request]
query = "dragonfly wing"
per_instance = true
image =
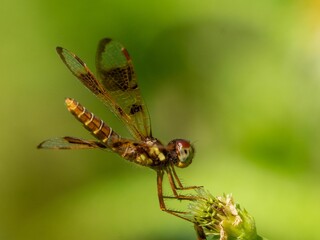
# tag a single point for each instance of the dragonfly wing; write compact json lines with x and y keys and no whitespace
{"x":70,"y":143}
{"x":80,"y":70}
{"x":116,"y":73}
{"x":120,"y":92}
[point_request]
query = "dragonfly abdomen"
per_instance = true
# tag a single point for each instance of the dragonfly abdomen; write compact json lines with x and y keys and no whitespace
{"x":94,"y":124}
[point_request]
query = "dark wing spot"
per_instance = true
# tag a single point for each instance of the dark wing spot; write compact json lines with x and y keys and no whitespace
{"x":102,"y":44}
{"x":135,"y":108}
{"x":117,"y":78}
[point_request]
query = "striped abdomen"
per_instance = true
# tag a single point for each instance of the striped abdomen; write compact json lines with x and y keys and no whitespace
{"x":94,"y":124}
{"x":146,"y":154}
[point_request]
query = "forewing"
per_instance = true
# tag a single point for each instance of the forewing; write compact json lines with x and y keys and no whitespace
{"x":81,"y":71}
{"x":70,"y":143}
{"x":116,"y":73}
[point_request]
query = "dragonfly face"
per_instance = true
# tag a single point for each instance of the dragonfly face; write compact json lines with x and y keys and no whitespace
{"x":116,"y":86}
{"x":184,"y":152}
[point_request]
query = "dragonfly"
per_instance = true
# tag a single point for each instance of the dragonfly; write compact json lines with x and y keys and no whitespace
{"x":115,"y":84}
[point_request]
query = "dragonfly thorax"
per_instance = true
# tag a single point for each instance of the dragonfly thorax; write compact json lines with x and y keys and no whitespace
{"x":154,"y":154}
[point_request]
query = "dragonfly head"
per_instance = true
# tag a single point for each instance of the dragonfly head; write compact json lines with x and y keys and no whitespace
{"x":184,"y":152}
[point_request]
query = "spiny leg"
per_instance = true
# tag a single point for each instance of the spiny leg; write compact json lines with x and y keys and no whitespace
{"x":199,"y":230}
{"x":172,"y":177}
{"x":181,"y":187}
{"x":161,"y":200}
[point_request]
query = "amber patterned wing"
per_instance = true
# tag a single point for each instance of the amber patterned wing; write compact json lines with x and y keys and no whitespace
{"x":70,"y":143}
{"x":125,"y":103}
{"x":116,"y":73}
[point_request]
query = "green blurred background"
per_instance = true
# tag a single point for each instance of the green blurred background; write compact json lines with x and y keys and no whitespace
{"x":240,"y":79}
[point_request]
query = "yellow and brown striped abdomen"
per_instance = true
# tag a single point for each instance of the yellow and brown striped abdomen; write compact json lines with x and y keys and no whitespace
{"x":138,"y":152}
{"x":94,"y":124}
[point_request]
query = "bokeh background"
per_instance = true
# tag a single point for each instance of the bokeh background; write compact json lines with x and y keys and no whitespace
{"x":240,"y":79}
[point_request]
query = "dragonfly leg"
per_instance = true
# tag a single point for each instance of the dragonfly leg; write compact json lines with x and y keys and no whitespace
{"x":173,"y":177}
{"x":161,"y":198}
{"x":181,"y":187}
{"x":199,"y":230}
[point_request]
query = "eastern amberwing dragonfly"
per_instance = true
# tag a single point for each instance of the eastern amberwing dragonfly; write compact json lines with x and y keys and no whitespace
{"x":116,"y":86}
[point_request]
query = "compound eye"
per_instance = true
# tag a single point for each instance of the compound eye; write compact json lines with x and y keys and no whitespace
{"x":185,"y":153}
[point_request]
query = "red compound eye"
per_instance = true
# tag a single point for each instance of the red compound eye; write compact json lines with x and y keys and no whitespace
{"x":184,"y":152}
